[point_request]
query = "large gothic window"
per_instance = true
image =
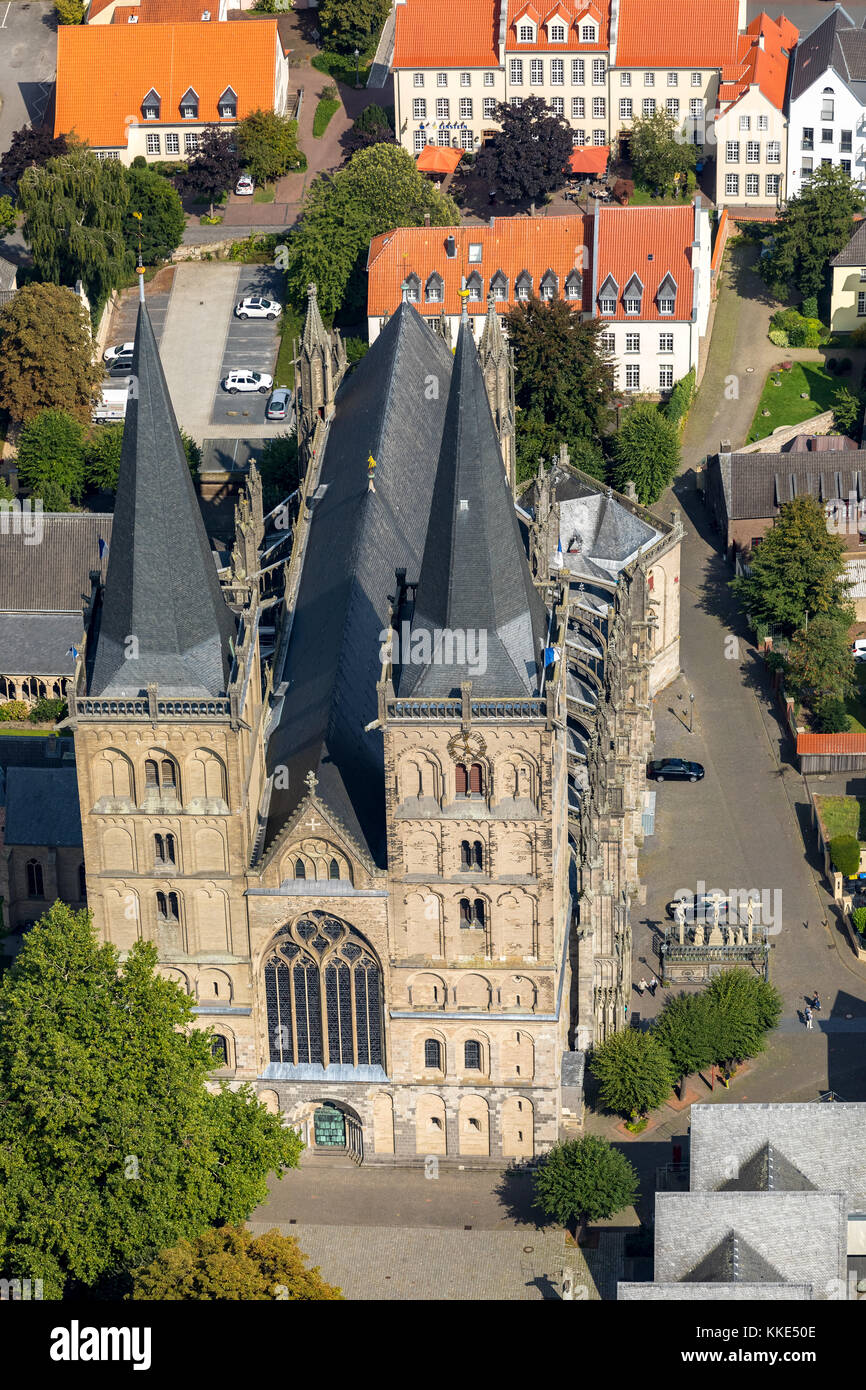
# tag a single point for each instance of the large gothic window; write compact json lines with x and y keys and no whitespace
{"x":323,"y":989}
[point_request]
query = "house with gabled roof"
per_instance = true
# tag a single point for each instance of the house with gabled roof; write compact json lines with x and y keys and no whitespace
{"x":827,"y":100}
{"x":152,"y":89}
{"x":751,"y":128}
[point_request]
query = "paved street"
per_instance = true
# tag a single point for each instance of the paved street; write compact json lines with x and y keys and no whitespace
{"x":28,"y":61}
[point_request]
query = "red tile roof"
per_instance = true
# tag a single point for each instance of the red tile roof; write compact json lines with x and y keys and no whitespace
{"x":649,"y":243}
{"x":767,"y":66}
{"x":676,"y":33}
{"x":169,"y":11}
{"x":573,"y":12}
{"x":512,"y":244}
{"x":105,"y":71}
{"x":434,"y":36}
{"x":831,"y":743}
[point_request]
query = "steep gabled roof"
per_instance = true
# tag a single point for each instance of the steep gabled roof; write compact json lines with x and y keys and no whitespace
{"x":819,"y":50}
{"x":161,"y":588}
{"x":733,"y":1261}
{"x":474,"y":578}
{"x":853,"y":253}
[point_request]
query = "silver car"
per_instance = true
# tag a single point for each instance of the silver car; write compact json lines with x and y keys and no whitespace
{"x":280,"y":405}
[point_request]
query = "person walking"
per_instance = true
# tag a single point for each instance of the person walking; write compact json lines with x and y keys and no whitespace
{"x":816,"y":1003}
{"x":653,"y":986}
{"x":641,"y":986}
{"x":808,"y":1017}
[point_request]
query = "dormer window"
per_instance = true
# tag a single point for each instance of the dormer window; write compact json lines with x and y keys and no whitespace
{"x":556,"y":32}
{"x":607,"y":297}
{"x":667,"y":295}
{"x":588,"y":33}
{"x":412,"y":288}
{"x":523,"y":285}
{"x":499,"y":286}
{"x":151,"y":105}
{"x":228,"y":105}
{"x":526,"y":31}
{"x":549,"y":288}
{"x":632,"y":296}
{"x":475,"y":286}
{"x":189,"y":104}
{"x":574,"y":285}
{"x":433,"y":289}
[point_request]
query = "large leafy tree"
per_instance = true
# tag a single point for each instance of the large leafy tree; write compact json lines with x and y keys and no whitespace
{"x":378,"y":189}
{"x":74,"y":210}
{"x":111,"y":1148}
{"x":814,"y":226}
{"x":659,"y":151}
{"x":742,"y":1009}
{"x":268,"y":144}
{"x":584,"y":1180}
{"x":230,"y":1263}
{"x":563,"y":383}
{"x":162,"y":217}
{"x":30,"y":149}
{"x":215,"y":168}
{"x":374,"y":126}
{"x":820,"y":665}
{"x":350,"y":24}
{"x":46,"y":353}
{"x":797,"y":571}
{"x":51,"y":459}
{"x":634,"y":1072}
{"x":527,"y":157}
{"x":646,"y":451}
{"x":682,"y":1029}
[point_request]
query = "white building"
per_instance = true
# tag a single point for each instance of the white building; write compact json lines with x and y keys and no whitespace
{"x":827,"y":101}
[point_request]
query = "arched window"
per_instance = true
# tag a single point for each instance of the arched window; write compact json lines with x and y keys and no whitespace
{"x":300,"y":869}
{"x":472,"y":1055}
{"x":465,"y":912}
{"x":472,"y":913}
{"x":170,"y":855}
{"x":219,"y":1050}
{"x":476,"y":779}
{"x":158,"y":849}
{"x":168,"y":907}
{"x":334,"y":869}
{"x":461,"y":780}
{"x":477,"y":854}
{"x":465,"y":855}
{"x":82,"y":883}
{"x":478,"y":915}
{"x":168,"y":775}
{"x":35,"y":884}
{"x":433,"y":1053}
{"x":323,"y":990}
{"x":164,"y":850}
{"x":151,"y":774}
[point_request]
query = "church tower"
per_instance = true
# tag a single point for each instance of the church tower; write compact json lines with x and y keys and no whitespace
{"x":166,"y":709}
{"x":321,"y":367}
{"x":497,"y":366}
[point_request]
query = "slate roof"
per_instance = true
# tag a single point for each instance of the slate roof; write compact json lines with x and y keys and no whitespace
{"x":827,"y":46}
{"x":731,"y":1261}
{"x":53,"y":575}
{"x":37,"y":644}
{"x":356,"y":541}
{"x":854,"y":250}
{"x":768,"y":1170}
{"x":727,"y":1293}
{"x":757,"y":485}
{"x":475,"y":577}
{"x":596,"y":527}
{"x":161,"y":585}
{"x":42,"y":806}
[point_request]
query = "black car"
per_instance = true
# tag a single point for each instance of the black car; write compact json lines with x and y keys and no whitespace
{"x":666,"y":769}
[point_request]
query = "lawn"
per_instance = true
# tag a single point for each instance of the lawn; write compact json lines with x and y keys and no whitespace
{"x":263,"y":193}
{"x":292,"y":326}
{"x":841,"y":815}
{"x":341,"y":66}
{"x":644,"y":198}
{"x":326,"y":109}
{"x":784,"y":403}
{"x":856,"y":703}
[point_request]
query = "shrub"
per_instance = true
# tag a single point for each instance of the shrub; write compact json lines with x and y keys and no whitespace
{"x":858,"y":336}
{"x":681,"y":397}
{"x":48,"y":711}
{"x":845,"y":364}
{"x":845,"y":855}
{"x":14,"y":709}
{"x":255,"y":249}
{"x":356,"y":348}
{"x":809,"y":307}
{"x":139,"y":162}
{"x":69,"y":11}
{"x":858,"y":917}
{"x":778,"y":337}
{"x":832,"y":717}
{"x":623,"y":190}
{"x":785,"y":319}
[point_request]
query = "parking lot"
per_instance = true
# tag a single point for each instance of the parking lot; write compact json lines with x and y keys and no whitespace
{"x":249,"y":343}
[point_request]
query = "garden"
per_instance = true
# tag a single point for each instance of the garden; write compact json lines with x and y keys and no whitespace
{"x":795,"y":391}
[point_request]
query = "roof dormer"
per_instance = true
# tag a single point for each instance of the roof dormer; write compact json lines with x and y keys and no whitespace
{"x":549,"y":285}
{"x":228,"y":105}
{"x":666,"y":298}
{"x":526,"y":23}
{"x":189,"y":104}
{"x":574,"y":285}
{"x":557,"y":25}
{"x":151,"y":106}
{"x":632,"y":295}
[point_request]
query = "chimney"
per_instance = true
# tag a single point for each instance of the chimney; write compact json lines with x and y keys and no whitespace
{"x":761,"y":40}
{"x":493,"y":221}
{"x":450,"y":248}
{"x":426,"y":219}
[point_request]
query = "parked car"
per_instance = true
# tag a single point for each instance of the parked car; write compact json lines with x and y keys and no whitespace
{"x":246,"y":380}
{"x":245,"y":186}
{"x":121,"y":364}
{"x":280,"y":404}
{"x":119,"y":350}
{"x":858,"y":645}
{"x":860,"y":656}
{"x":699,"y":907}
{"x":662,"y":769}
{"x":254,"y":307}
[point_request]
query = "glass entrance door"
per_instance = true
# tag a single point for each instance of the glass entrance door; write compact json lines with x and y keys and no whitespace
{"x":329,"y":1127}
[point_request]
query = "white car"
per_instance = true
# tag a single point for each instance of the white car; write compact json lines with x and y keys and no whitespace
{"x":245,"y":186}
{"x":858,"y":645}
{"x":860,"y":656}
{"x":245,"y":380}
{"x":254,"y":307}
{"x":119,"y":350}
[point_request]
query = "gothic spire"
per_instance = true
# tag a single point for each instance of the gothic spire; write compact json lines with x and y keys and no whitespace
{"x":493,"y":344}
{"x":315,"y":334}
{"x":164,"y":620}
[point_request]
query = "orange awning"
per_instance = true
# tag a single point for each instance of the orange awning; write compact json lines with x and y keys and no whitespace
{"x":589,"y":159}
{"x":439,"y":159}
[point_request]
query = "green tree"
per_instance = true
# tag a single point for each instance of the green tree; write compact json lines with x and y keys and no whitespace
{"x":820,"y":665}
{"x":30,"y":149}
{"x":797,"y":571}
{"x":374,"y":126}
{"x":832,"y":716}
{"x":69,"y":11}
{"x":215,"y":169}
{"x":845,"y":855}
{"x":563,"y":384}
{"x":527,"y":157}
{"x":102,"y":456}
{"x":378,"y":189}
{"x":350,"y":24}
{"x":682,"y":1029}
{"x":46,"y":354}
{"x":278,"y":466}
{"x":659,"y":151}
{"x":268,"y":144}
{"x":51,"y":459}
{"x":8,"y":216}
{"x":162,"y":218}
{"x":742,"y":1008}
{"x":813,"y":227}
{"x":231,"y":1263}
{"x":584,"y":1180}
{"x":847,"y":410}
{"x":74,"y":218}
{"x":119,"y":1151}
{"x":635,"y":1072}
{"x":646,"y":451}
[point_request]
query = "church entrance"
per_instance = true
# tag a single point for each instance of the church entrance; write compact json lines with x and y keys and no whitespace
{"x":336,"y":1130}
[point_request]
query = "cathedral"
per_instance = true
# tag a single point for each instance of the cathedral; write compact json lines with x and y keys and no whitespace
{"x":382,"y":817}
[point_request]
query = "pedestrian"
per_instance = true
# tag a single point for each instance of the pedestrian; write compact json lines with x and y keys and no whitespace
{"x":816,"y":1003}
{"x":653,"y":986}
{"x":491,"y":196}
{"x":625,"y":1006}
{"x":808,"y":1017}
{"x":641,"y":986}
